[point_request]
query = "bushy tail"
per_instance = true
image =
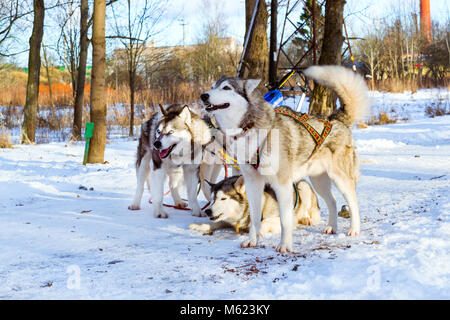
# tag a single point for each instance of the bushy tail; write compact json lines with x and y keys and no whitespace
{"x":349,"y":86}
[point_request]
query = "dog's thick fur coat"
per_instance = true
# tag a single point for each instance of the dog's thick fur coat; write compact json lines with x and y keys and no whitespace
{"x":171,"y":144}
{"x":286,"y":155}
{"x":229,"y":208}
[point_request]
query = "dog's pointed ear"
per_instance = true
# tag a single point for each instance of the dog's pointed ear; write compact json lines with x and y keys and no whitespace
{"x":239,"y":184}
{"x":163,"y":111}
{"x":251,"y":84}
{"x":218,"y":81}
{"x":185,"y":114}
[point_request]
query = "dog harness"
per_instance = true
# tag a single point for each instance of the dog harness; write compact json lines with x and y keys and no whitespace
{"x":303,"y":119}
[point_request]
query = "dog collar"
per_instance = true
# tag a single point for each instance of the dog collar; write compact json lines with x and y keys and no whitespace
{"x":245,"y":129}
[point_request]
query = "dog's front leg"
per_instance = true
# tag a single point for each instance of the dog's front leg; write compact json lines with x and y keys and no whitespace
{"x":157,"y":190}
{"x":191,"y":180}
{"x":141,"y":176}
{"x":285,"y":206}
{"x":254,"y":188}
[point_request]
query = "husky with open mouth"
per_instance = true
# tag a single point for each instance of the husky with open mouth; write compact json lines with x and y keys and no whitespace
{"x":287,"y":150}
{"x":172,"y":144}
{"x":229,"y":207}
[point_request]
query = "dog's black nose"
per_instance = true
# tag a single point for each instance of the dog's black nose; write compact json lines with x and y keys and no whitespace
{"x":204,"y":97}
{"x":157,"y":144}
{"x":208,"y":212}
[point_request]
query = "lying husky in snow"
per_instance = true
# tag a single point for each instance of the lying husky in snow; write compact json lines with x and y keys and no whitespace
{"x":229,"y":207}
{"x":286,"y":150}
{"x":172,"y":143}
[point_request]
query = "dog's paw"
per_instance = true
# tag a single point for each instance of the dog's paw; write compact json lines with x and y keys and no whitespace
{"x":249,"y":243}
{"x":202,"y":227}
{"x":198,"y":213}
{"x":284,"y":248}
{"x":161,"y":215}
{"x":181,"y":204}
{"x":307,"y":221}
{"x":329,"y":230}
{"x":354,"y":232}
{"x":134,"y":207}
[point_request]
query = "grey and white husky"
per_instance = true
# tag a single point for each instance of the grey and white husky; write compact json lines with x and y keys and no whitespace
{"x":172,"y":144}
{"x":229,"y":207}
{"x":285,"y":148}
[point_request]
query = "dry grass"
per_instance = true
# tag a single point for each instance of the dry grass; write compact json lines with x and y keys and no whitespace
{"x":54,"y":123}
{"x":5,"y":140}
{"x":437,"y":109}
{"x":383,"y":118}
{"x":409,"y":84}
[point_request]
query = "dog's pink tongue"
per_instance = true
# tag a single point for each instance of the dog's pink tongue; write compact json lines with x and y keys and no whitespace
{"x":163,"y":153}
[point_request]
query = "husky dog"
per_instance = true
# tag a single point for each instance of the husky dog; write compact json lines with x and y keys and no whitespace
{"x":286,"y":151}
{"x":143,"y":160}
{"x":230,"y":207}
{"x":172,"y":143}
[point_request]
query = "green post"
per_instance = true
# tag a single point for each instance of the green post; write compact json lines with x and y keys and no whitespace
{"x":88,"y":132}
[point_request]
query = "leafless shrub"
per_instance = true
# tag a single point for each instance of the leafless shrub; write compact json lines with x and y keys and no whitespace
{"x":437,"y":109}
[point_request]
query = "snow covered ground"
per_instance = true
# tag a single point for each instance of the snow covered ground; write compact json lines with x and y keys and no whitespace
{"x":58,"y":241}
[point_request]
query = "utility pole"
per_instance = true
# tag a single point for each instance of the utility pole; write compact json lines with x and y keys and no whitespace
{"x":183,"y":24}
{"x":273,"y":44}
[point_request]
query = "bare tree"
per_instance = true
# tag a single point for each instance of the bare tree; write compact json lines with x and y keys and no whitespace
{"x":81,"y":71}
{"x":98,"y":107}
{"x":140,"y":27}
{"x":34,"y":66}
{"x":10,"y":12}
{"x":256,"y":60}
{"x":323,"y":100}
{"x":68,"y":41}
{"x":215,"y":55}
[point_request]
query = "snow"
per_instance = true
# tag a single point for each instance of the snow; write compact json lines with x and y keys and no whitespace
{"x":61,"y":242}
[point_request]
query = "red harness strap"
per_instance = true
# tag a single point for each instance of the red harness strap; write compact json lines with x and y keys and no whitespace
{"x":303,"y":118}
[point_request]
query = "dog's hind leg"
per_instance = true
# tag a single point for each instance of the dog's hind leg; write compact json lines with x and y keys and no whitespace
{"x":347,"y":187}
{"x":175,"y":185}
{"x":191,"y":180}
{"x":322,"y":185}
{"x":157,"y":177}
{"x":141,"y":177}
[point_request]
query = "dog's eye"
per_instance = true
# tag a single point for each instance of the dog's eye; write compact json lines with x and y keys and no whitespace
{"x":158,"y":131}
{"x":226,"y":88}
{"x":223,"y":199}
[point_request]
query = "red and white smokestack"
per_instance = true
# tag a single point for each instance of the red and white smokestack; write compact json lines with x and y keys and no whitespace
{"x":425,"y":20}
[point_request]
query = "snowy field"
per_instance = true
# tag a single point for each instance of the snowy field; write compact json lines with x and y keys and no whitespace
{"x":58,"y":241}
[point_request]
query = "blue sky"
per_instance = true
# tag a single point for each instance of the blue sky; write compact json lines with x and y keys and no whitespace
{"x":361,"y":15}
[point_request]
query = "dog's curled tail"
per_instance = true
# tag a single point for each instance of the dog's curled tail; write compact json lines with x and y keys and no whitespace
{"x":349,"y":86}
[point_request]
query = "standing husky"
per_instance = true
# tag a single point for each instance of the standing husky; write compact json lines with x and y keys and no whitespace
{"x":174,"y":141}
{"x":285,"y":149}
{"x":229,"y":207}
{"x":143,"y":160}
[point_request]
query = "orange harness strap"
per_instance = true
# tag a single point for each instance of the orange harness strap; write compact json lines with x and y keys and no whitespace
{"x":303,"y":118}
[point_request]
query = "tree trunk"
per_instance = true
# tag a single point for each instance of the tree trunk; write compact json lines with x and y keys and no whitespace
{"x":34,"y":67}
{"x":256,"y":59}
{"x":81,"y":74}
{"x":98,"y":106}
{"x":323,"y":100}
{"x":49,"y":82}
{"x":132,"y":89}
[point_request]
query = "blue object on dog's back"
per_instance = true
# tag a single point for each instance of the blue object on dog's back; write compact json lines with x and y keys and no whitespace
{"x":274,"y":97}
